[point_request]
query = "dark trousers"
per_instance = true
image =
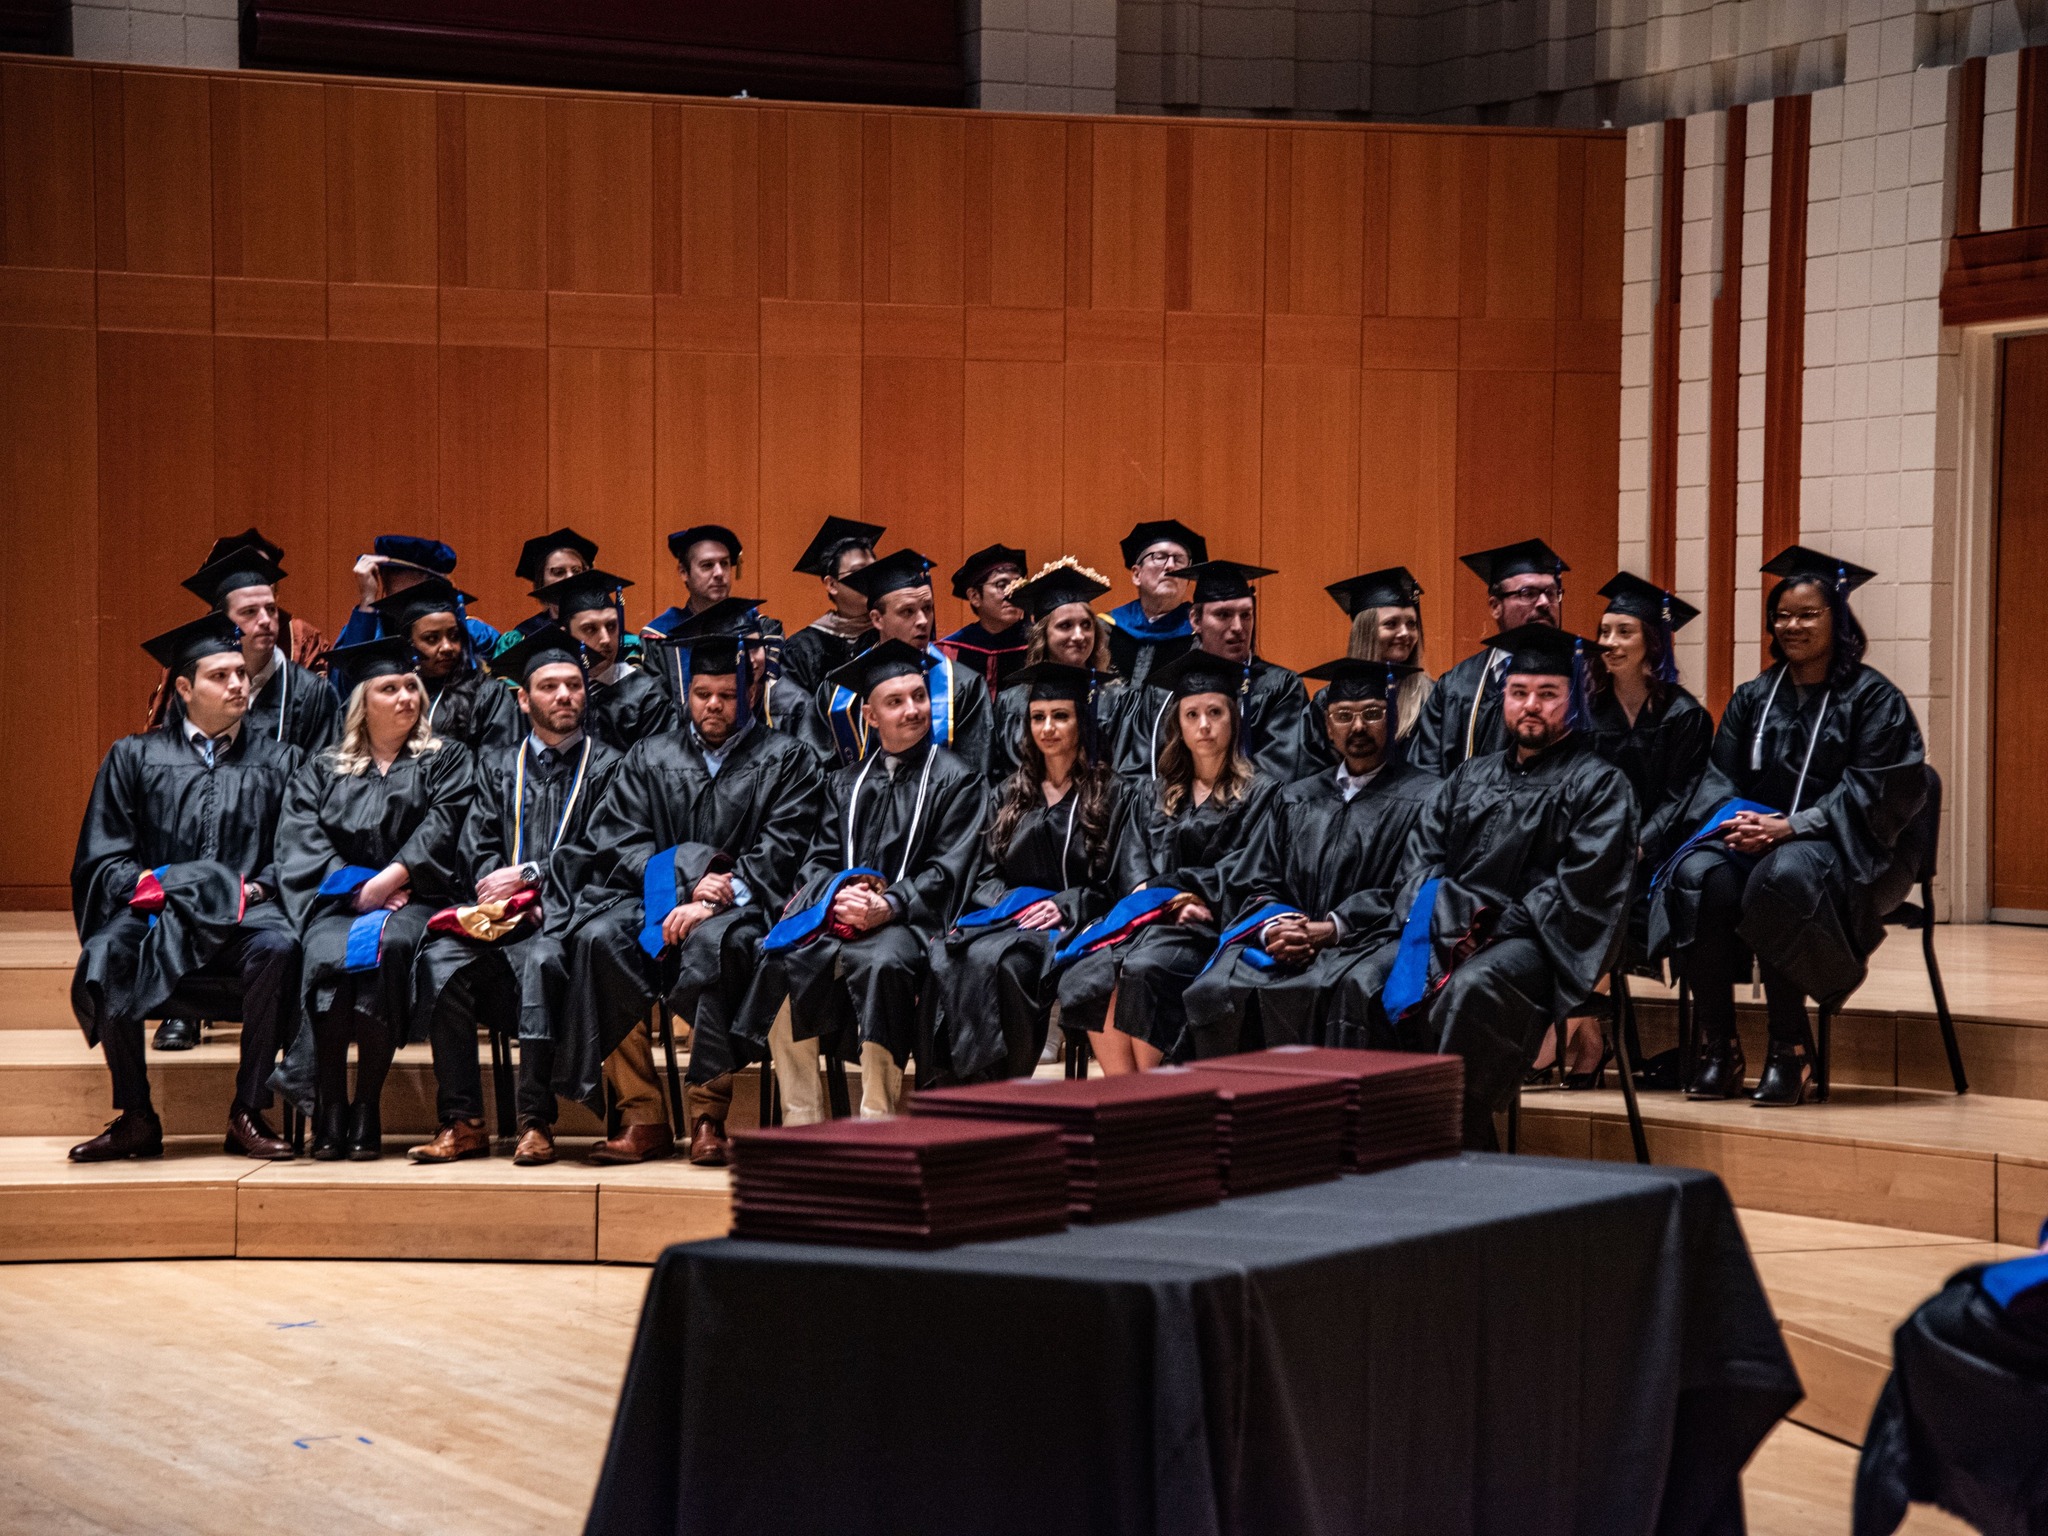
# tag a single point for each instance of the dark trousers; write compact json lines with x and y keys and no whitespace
{"x":376,"y":1042}
{"x":1493,"y":1011}
{"x":485,"y":995}
{"x":265,"y":963}
{"x":1719,"y":958}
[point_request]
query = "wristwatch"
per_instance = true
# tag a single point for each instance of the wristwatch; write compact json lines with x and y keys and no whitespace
{"x":530,"y":872}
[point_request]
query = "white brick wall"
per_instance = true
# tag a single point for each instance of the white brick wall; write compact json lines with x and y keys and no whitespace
{"x":1041,"y":55}
{"x":200,"y":33}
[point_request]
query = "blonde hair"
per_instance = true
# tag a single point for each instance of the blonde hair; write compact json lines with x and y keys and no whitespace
{"x":1414,"y":689}
{"x":1177,"y":767}
{"x":1037,"y":649}
{"x":350,"y":757}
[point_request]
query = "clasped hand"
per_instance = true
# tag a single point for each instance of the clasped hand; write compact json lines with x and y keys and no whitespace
{"x":859,"y":908}
{"x":1040,"y":914}
{"x":386,"y":890}
{"x":1749,"y":832}
{"x":1295,"y":940}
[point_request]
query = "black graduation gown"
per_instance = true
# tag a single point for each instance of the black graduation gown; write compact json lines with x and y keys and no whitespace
{"x":154,"y":803}
{"x":477,"y":710}
{"x":1013,"y":718}
{"x":787,"y":708}
{"x":1449,"y":723}
{"x":1328,"y":859}
{"x":504,"y":828}
{"x":1209,"y":851}
{"x":629,"y":709}
{"x":970,"y":710}
{"x":1814,"y":907}
{"x":412,"y":815}
{"x":814,"y":651}
{"x":1662,"y":755}
{"x":760,"y":812}
{"x":310,"y":710}
{"x":1132,"y":652}
{"x":867,"y":989}
{"x":991,"y":988}
{"x":993,"y":658}
{"x":1276,"y":735}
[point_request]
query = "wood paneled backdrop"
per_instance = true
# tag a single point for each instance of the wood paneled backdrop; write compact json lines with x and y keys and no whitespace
{"x":334,"y":307}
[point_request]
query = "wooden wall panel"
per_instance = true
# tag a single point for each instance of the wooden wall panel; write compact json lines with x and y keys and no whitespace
{"x":1504,"y":459}
{"x":1221,"y":230}
{"x":1127,"y":217}
{"x":717,"y":213}
{"x":810,"y":469}
{"x":1310,"y":486}
{"x":601,"y":461}
{"x":925,"y":210}
{"x":707,"y":447}
{"x":1423,"y":224}
{"x":269,"y":179}
{"x":600,"y":196}
{"x":46,"y":187}
{"x":1212,"y":449}
{"x":820,"y":201}
{"x":383,"y":455}
{"x":1013,"y":446}
{"x":1027,"y":212}
{"x":1408,"y":494}
{"x":497,"y":173}
{"x":1115,"y":474}
{"x":1521,"y":228}
{"x":1584,"y":467}
{"x":382,"y":185}
{"x":493,"y":452}
{"x":1326,"y":217}
{"x":161,"y":154}
{"x":270,"y":422}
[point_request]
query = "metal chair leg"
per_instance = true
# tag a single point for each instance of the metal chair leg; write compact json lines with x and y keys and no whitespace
{"x":1948,"y":1024}
{"x":835,"y":1083}
{"x":1077,"y":1053}
{"x":1688,"y":1036}
{"x":1823,"y":1061}
{"x":678,"y":1108}
{"x":1560,"y":1034}
{"x":501,"y":1081}
{"x":770,"y":1113}
{"x":1625,"y":1060}
{"x":1515,"y":1119}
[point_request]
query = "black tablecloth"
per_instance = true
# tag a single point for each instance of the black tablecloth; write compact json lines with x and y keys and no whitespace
{"x":1482,"y":1344}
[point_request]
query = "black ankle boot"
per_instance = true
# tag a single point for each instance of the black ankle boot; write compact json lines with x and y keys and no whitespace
{"x":1788,"y":1076}
{"x":330,"y":1132}
{"x":365,"y":1133}
{"x":1721,"y":1070}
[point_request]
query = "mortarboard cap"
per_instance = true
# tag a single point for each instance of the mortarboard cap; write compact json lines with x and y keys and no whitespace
{"x":1529,"y":557}
{"x":1055,"y":586}
{"x":1222,"y":581}
{"x":1538,"y":650}
{"x":533,"y":554}
{"x":244,"y":565}
{"x":1168,"y":530}
{"x":1194,"y":672}
{"x":581,"y":593}
{"x":411,"y":549}
{"x":550,"y":645}
{"x":1797,"y":562}
{"x":248,"y":538}
{"x":877,"y":665}
{"x":1393,"y":587}
{"x":714,"y":653}
{"x":680,"y":541}
{"x":401,"y":610}
{"x":1055,"y":680}
{"x":1628,"y":593}
{"x":208,"y":635}
{"x":1351,"y":679}
{"x":389,"y":656}
{"x":975,"y":568}
{"x":891,"y":573}
{"x":834,"y":537}
{"x":727,"y":617}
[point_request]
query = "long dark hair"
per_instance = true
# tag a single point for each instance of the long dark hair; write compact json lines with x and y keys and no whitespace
{"x":1656,"y":653}
{"x":1177,"y":765}
{"x":1850,"y":642}
{"x":1093,"y":781}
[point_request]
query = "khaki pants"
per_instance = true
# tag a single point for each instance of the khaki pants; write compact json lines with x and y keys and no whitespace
{"x":635,"y":1087}
{"x":802,"y":1085}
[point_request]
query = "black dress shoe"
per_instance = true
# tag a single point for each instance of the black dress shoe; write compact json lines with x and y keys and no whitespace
{"x":1721,"y":1070}
{"x":1788,"y":1076}
{"x":365,"y":1133}
{"x":135,"y":1133}
{"x":330,"y":1132}
{"x":175,"y":1035}
{"x":250,"y":1135}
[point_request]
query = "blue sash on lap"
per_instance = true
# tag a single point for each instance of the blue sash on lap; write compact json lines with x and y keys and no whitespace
{"x":1707,"y":829}
{"x":1119,"y":917}
{"x":657,"y":899}
{"x":365,"y":941}
{"x":159,"y":873}
{"x":800,"y":926}
{"x":1248,"y":925}
{"x":2003,"y":1283}
{"x":1023,"y":896}
{"x":1409,"y":979}
{"x":347,"y":880}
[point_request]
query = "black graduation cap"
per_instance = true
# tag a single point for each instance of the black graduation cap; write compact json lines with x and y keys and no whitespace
{"x":891,"y":573}
{"x":834,"y":535}
{"x":715,"y":653}
{"x":582,"y":592}
{"x":208,"y":635}
{"x":550,"y":645}
{"x":727,"y":617}
{"x":975,"y":568}
{"x":1530,"y":557}
{"x":877,"y":665}
{"x":1064,"y":581}
{"x":1797,"y":561}
{"x":1539,"y":650}
{"x":1393,"y":587}
{"x":1222,"y":581}
{"x":533,"y":554}
{"x":401,"y":610}
{"x":1351,"y":679}
{"x":1628,"y":593}
{"x":242,"y":565}
{"x":412,"y":549}
{"x":1197,"y":671}
{"x":1165,"y":530}
{"x":251,"y":538}
{"x":386,"y":657}
{"x":1055,"y":680}
{"x":680,"y":541}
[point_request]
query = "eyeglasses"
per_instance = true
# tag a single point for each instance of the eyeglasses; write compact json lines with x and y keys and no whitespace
{"x":1162,"y":557}
{"x":1344,"y":716}
{"x":1549,"y":591}
{"x":1803,"y":618}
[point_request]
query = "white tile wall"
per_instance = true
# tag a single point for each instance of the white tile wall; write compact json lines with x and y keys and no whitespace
{"x":200,"y":33}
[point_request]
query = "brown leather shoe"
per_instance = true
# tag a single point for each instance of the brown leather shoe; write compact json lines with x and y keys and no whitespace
{"x":250,"y":1135}
{"x":708,"y":1146}
{"x":134,"y":1133}
{"x":636,"y":1144}
{"x":536,"y":1146}
{"x":457,"y":1139}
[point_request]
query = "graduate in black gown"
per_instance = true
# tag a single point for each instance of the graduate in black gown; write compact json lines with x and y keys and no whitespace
{"x":1462,"y":716}
{"x":287,"y":702}
{"x":994,"y":644}
{"x":898,"y":588}
{"x":1827,"y":754}
{"x":523,"y":857}
{"x":626,"y":702}
{"x":889,"y":870}
{"x":1062,"y":846}
{"x":543,"y":561}
{"x":1065,"y":630}
{"x":696,"y":843}
{"x":708,"y":557}
{"x":398,"y":561}
{"x":1515,"y":890}
{"x":1328,"y":864}
{"x":367,"y":852}
{"x":776,"y":702}
{"x":1272,"y":703}
{"x":1154,"y":628}
{"x":1204,"y":835}
{"x":841,"y":546}
{"x":463,"y":703}
{"x":174,"y":878}
{"x":1385,"y":609}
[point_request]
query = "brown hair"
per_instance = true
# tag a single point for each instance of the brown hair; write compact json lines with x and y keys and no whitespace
{"x":1093,"y":781}
{"x":1177,"y":766}
{"x":1038,"y":649}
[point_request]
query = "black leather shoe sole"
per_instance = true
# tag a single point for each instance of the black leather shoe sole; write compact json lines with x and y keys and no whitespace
{"x":175,"y":1035}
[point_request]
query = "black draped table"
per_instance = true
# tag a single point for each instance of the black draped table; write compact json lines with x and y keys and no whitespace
{"x":1481,"y":1344}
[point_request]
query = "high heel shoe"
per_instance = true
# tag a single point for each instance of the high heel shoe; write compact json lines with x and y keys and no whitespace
{"x":1721,"y":1070}
{"x":330,"y":1132}
{"x":1579,"y":1082}
{"x":1788,"y":1076}
{"x":365,"y":1133}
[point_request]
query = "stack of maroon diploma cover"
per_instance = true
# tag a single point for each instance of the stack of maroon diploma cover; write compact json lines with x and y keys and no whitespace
{"x":1400,"y":1106}
{"x":1274,"y":1129}
{"x":1135,"y":1145}
{"x":899,"y":1183}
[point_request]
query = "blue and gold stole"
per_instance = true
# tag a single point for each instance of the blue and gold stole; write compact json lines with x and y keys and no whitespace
{"x":850,"y":729}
